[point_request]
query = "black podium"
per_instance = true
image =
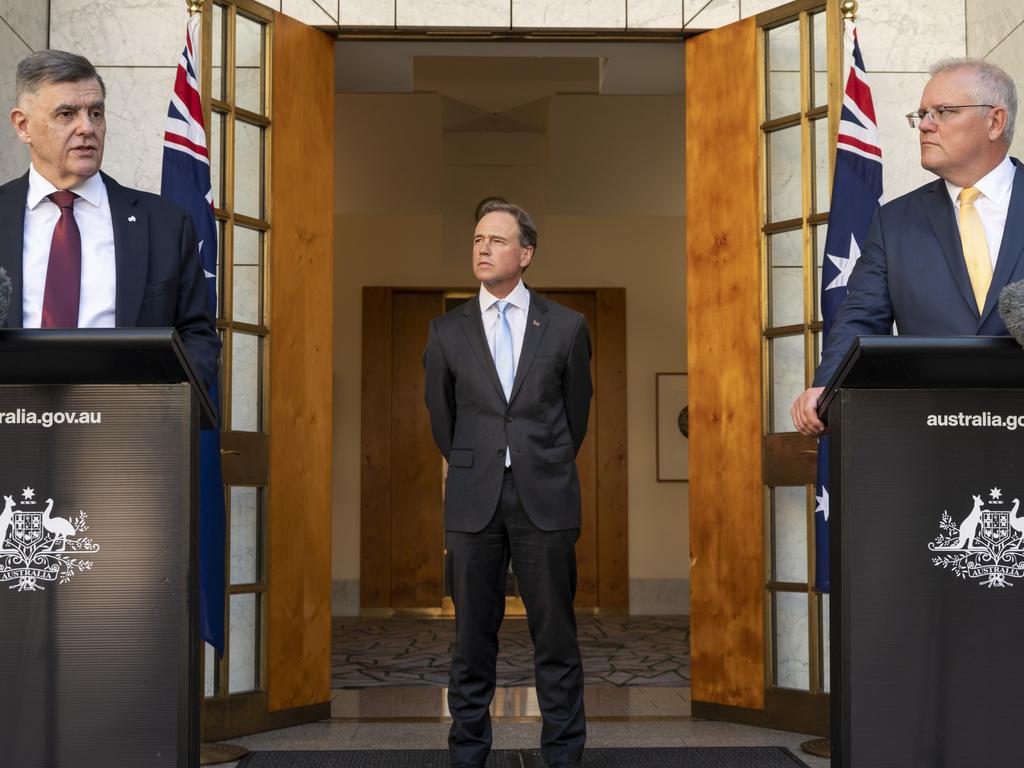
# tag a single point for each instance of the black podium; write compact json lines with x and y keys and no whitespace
{"x":98,"y":586}
{"x":927,"y":553}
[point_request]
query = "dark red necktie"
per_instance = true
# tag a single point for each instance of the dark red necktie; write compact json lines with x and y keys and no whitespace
{"x":64,"y":271}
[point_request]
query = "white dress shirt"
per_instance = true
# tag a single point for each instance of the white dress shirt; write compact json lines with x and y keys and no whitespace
{"x":992,"y":204}
{"x":99,"y":271}
{"x":518,"y":307}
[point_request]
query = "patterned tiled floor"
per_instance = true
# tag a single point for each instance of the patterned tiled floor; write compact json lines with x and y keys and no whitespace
{"x":649,"y":651}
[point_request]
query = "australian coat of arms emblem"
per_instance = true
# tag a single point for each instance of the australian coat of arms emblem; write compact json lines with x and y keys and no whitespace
{"x":987,"y":545}
{"x":37,"y":547}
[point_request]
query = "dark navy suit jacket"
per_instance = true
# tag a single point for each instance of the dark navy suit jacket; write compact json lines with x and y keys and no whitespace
{"x":543,"y":422}
{"x":912,"y":272}
{"x":159,"y":280}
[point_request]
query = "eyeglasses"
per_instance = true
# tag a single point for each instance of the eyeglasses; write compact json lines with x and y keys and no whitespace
{"x":938,"y":114}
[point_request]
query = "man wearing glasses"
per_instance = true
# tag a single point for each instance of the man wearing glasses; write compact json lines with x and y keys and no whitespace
{"x":935,"y":260}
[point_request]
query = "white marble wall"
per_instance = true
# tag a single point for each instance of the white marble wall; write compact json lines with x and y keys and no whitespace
{"x":23,"y":29}
{"x":995,"y":31}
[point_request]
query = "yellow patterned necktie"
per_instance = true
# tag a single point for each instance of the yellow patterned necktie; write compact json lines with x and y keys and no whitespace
{"x":975,"y":244}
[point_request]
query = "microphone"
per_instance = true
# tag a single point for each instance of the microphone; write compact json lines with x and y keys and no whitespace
{"x":6,"y":289}
{"x":1011,"y":309}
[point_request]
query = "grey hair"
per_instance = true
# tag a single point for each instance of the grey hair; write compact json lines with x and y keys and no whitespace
{"x":992,"y":86}
{"x":527,"y":230}
{"x":53,"y":66}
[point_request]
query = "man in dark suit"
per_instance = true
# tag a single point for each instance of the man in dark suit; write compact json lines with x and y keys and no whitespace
{"x":508,"y":388}
{"x":80,"y":249}
{"x":935,"y":260}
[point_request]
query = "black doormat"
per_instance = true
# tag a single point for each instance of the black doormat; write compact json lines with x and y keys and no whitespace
{"x":669,"y":757}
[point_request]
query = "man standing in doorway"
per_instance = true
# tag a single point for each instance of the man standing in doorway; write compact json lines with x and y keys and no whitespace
{"x":935,"y":260}
{"x":508,"y":389}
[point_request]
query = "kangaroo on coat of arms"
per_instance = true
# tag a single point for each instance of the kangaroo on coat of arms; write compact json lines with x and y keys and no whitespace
{"x":988,"y":545}
{"x":36,"y":547}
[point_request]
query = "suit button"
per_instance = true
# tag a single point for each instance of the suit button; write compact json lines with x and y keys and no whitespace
{"x":508,"y":418}
{"x":501,"y":451}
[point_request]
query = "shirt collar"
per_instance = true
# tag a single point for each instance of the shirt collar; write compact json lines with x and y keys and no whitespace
{"x":995,"y":185}
{"x":92,"y":190}
{"x":519,"y":297}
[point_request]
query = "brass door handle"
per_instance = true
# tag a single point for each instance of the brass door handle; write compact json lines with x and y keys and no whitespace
{"x":228,"y":452}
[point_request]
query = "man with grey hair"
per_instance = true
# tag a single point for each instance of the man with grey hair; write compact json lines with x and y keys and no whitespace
{"x":81,"y":251}
{"x":935,"y":259}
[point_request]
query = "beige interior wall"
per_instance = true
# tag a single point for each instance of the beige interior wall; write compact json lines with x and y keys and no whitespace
{"x":603,"y":176}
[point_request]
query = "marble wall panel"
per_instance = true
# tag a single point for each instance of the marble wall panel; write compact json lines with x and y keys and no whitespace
{"x":789,"y":522}
{"x":452,"y":13}
{"x":787,"y":379}
{"x":28,"y":20}
{"x":894,"y":95}
{"x":1009,"y":55}
{"x":366,"y":13}
{"x":569,"y":14}
{"x":245,"y":535}
{"x":13,"y":154}
{"x":909,"y":37}
{"x":709,"y":14}
{"x":272,"y":4}
{"x":120,"y":32}
{"x":754,"y":7}
{"x":243,"y":625}
{"x":654,"y":14}
{"x":990,"y":22}
{"x":316,"y":13}
{"x":136,"y":117}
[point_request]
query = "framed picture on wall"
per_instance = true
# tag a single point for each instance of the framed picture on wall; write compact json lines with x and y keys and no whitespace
{"x":672,"y":427}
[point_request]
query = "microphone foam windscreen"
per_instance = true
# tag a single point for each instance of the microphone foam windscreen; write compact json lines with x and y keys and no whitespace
{"x":1011,"y":309}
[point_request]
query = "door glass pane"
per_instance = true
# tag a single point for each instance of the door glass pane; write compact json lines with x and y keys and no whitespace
{"x":246,"y":382}
{"x":248,"y":169}
{"x":245,"y":535}
{"x":826,"y":646}
{"x":785,"y":250}
{"x":783,"y":70}
{"x":789,"y":533}
{"x":249,"y":45}
{"x":784,"y":188}
{"x":820,"y":233}
{"x":217,"y":53}
{"x":220,"y":271}
{"x":819,"y":134}
{"x":792,"y":657}
{"x":819,"y":60}
{"x":247,"y":288}
{"x":217,"y":120}
{"x":243,"y":656}
{"x":786,"y":358}
{"x":210,"y":671}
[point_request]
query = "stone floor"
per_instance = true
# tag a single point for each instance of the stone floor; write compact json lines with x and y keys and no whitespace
{"x":649,"y":651}
{"x":389,"y":678}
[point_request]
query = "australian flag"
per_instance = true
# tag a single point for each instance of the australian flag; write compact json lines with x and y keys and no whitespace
{"x":856,"y":195}
{"x":186,"y":181}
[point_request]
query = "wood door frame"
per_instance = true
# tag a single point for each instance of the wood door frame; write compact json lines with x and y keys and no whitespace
{"x":607,"y":426}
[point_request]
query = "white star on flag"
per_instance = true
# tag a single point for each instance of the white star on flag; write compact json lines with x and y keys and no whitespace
{"x":822,"y":503}
{"x":845,"y":265}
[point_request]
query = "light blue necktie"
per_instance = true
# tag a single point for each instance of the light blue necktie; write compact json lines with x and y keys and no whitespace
{"x":504,"y":357}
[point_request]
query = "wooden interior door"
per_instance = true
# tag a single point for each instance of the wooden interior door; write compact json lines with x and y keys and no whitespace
{"x":402,"y":475}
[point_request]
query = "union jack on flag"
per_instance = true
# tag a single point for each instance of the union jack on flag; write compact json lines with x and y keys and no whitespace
{"x":856,"y":195}
{"x":186,"y":181}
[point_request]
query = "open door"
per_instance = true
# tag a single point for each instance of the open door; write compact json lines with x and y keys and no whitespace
{"x":758,"y":137}
{"x":271,"y":97}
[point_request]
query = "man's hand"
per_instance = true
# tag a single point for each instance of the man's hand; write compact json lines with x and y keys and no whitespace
{"x":805,"y":412}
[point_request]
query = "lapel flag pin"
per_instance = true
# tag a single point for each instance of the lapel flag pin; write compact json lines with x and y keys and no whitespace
{"x":537,"y":323}
{"x":131,"y":218}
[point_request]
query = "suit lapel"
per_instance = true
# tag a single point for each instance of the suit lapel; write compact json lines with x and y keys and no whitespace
{"x":12,"y":238}
{"x":1012,"y":244}
{"x":536,"y":325}
{"x":131,"y":251}
{"x":473,"y":327}
{"x":942,"y":218}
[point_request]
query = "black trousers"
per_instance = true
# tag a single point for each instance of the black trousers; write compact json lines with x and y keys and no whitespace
{"x":545,"y":566}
